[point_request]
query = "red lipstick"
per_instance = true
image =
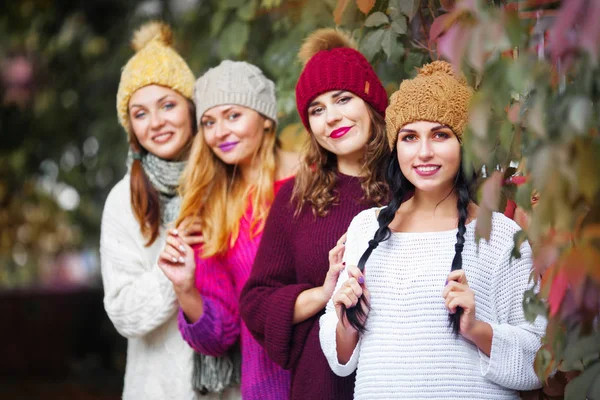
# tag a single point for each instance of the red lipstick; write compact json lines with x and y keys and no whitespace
{"x":339,"y":132}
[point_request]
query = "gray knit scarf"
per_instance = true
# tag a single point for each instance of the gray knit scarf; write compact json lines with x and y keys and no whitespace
{"x":211,"y":374}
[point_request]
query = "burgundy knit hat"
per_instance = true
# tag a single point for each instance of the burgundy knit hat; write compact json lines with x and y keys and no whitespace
{"x":332,"y":63}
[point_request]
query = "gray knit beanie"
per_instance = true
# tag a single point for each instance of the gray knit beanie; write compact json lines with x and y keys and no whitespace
{"x":235,"y":82}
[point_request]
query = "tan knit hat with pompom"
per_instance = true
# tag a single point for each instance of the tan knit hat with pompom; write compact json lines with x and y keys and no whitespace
{"x":155,"y":63}
{"x":436,"y":94}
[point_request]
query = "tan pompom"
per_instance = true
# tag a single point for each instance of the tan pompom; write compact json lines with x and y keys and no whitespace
{"x":324,"y":39}
{"x":150,"y":31}
{"x":441,"y":66}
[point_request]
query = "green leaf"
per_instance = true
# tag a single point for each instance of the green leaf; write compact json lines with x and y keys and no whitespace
{"x":231,"y":4}
{"x":582,"y":348}
{"x":578,"y":388}
{"x":217,"y":21}
{"x":394,"y":10}
{"x":376,"y":19}
{"x":399,"y":25}
{"x":233,"y":39}
{"x":409,"y":7}
{"x":388,"y":42}
{"x":523,"y":197}
{"x":579,"y":113}
{"x":506,"y":135}
{"x":519,"y":238}
{"x":248,"y":10}
{"x":532,"y":306}
{"x":371,"y":43}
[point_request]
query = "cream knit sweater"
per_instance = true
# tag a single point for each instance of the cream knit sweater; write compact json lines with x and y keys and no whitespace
{"x":409,"y":351}
{"x":142,"y":305}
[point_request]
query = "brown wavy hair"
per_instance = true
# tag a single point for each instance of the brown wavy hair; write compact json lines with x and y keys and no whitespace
{"x":144,"y":197}
{"x":317,"y":175}
{"x":214,"y":193}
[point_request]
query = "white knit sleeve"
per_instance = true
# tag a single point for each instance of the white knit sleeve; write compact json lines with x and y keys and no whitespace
{"x":138,"y":297}
{"x":329,"y":320}
{"x":515,"y":341}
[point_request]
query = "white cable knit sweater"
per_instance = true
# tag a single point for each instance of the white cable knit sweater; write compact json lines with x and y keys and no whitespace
{"x":142,"y":305}
{"x":409,"y":351}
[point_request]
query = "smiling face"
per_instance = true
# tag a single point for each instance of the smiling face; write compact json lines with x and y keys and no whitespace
{"x":429,"y":155}
{"x":161,"y":121}
{"x":340,"y":123}
{"x":234,"y":133}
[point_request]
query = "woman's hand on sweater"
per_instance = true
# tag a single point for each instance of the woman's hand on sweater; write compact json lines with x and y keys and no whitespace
{"x":457,"y":293}
{"x":178,"y":263}
{"x":190,"y":231}
{"x":311,"y":301}
{"x":336,"y":265}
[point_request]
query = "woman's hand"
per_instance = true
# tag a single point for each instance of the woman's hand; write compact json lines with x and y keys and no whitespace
{"x":347,"y":297}
{"x":457,"y":293}
{"x":178,"y":263}
{"x":190,"y":231}
{"x":335,"y":267}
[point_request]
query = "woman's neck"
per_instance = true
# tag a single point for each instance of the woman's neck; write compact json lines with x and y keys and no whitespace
{"x":350,"y":165}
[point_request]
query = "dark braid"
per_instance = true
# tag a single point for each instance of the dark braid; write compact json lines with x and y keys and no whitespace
{"x":399,"y":186}
{"x":462,"y":189}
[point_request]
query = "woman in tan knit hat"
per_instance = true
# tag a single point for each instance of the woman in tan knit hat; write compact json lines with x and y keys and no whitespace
{"x":155,"y":109}
{"x":404,"y":306}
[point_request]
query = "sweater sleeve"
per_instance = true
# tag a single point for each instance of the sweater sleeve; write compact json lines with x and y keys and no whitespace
{"x":268,"y":298}
{"x":219,"y":326}
{"x":138,"y":297}
{"x":329,"y":320}
{"x":515,"y":341}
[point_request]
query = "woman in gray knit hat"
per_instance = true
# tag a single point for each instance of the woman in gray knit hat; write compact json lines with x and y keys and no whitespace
{"x":235,"y":169}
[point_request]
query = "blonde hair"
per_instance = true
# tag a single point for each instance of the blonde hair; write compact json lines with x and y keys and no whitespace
{"x":214,"y":193}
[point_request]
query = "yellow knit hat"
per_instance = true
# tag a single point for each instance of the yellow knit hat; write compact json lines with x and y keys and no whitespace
{"x":436,"y":94}
{"x":155,"y":63}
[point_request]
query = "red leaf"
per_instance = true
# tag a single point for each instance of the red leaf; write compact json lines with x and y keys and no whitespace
{"x":557,"y":292}
{"x":439,"y":26}
{"x":365,"y":5}
{"x":562,"y":37}
{"x":453,"y":44}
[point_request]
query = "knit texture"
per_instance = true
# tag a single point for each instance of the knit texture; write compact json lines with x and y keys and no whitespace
{"x":409,"y":350}
{"x":142,"y":305}
{"x":293,"y":257}
{"x":235,"y":82}
{"x":164,"y":176}
{"x":436,"y":94}
{"x":155,"y":63}
{"x":220,"y":281}
{"x":337,"y":68}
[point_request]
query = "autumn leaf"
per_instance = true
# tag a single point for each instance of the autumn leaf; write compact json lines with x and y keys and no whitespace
{"x":558,"y":289}
{"x":339,"y":11}
{"x":365,"y":6}
{"x":490,"y":201}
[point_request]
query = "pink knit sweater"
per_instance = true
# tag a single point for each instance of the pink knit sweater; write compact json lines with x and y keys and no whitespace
{"x":220,"y":281}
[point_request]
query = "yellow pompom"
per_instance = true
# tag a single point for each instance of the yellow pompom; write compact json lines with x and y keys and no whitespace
{"x":443,"y":67}
{"x":324,"y":39}
{"x":151,"y":31}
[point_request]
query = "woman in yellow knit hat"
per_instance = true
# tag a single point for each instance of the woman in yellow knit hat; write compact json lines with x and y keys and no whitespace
{"x":422,"y":311}
{"x":154,"y":107}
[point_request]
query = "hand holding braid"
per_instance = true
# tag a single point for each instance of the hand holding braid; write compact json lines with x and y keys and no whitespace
{"x":462,"y":204}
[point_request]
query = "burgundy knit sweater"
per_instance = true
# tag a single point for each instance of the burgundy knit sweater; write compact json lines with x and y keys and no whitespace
{"x":293,"y":257}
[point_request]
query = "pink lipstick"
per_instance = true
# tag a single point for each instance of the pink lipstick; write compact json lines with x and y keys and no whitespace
{"x":427,"y":169}
{"x":339,"y":132}
{"x":227,"y":146}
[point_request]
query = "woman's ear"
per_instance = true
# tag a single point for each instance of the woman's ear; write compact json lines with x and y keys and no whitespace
{"x":268,"y":125}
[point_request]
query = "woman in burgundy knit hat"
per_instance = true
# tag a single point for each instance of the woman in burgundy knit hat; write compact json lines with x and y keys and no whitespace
{"x":342,"y":104}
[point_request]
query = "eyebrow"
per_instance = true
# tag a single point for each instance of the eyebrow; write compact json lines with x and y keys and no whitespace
{"x":435,"y":128}
{"x":333,"y":96}
{"x":224,"y":111}
{"x":158,"y":101}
